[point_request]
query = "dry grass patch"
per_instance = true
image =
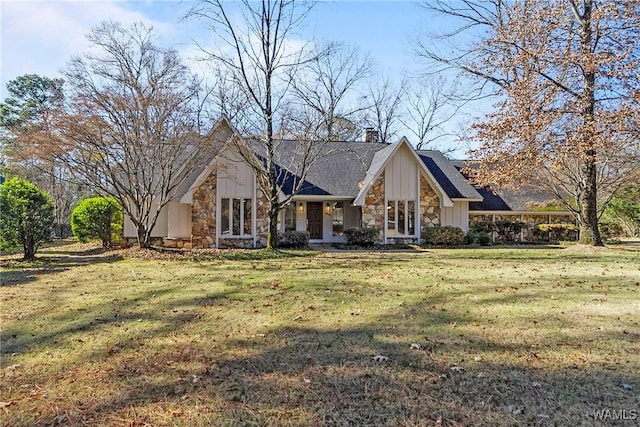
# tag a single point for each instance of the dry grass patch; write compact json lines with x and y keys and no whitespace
{"x":489,"y":337}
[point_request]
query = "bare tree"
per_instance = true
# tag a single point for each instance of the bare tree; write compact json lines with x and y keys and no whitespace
{"x":260,"y":54}
{"x":327,"y":87}
{"x":383,"y":106}
{"x":567,"y":76}
{"x":131,"y":129}
{"x":428,"y":111}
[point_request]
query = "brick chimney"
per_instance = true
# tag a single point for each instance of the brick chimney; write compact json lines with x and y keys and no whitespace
{"x":370,"y":135}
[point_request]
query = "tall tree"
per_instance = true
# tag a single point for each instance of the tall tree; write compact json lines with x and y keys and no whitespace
{"x":260,"y":53}
{"x":327,"y":89}
{"x":132,"y":128}
{"x":427,"y":110}
{"x":566,"y":73}
{"x":383,"y":106}
{"x":29,"y":138}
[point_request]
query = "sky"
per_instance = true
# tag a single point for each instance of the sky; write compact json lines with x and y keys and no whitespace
{"x":39,"y":37}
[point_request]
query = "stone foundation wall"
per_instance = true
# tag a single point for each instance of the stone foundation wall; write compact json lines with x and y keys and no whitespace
{"x":373,"y":209}
{"x":401,"y":240}
{"x":429,"y":205}
{"x":530,"y":231}
{"x":178,"y":243}
{"x":203,"y":213}
{"x":240,"y":243}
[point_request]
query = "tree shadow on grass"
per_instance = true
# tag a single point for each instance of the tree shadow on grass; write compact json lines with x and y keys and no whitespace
{"x":304,"y":374}
{"x":333,"y":376}
{"x":19,"y":273}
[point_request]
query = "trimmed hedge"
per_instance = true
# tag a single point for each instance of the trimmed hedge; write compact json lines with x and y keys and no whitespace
{"x":506,"y":230}
{"x":562,"y":231}
{"x":97,"y":218}
{"x":442,"y":236}
{"x":293,"y":239}
{"x":26,"y":217}
{"x":365,"y":236}
{"x":481,"y":238}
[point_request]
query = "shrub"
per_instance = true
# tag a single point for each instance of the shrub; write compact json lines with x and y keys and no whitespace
{"x":559,"y":231}
{"x":27,"y":216}
{"x":481,"y":238}
{"x":365,"y":236}
{"x":293,"y":239}
{"x":483,"y":226}
{"x":507,"y":230}
{"x":442,"y":236}
{"x":97,"y":218}
{"x":610,"y":230}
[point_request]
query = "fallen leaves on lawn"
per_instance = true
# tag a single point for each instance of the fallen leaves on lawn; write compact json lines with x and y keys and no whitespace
{"x":5,"y":405}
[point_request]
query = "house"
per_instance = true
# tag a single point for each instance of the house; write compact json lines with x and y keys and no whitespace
{"x":391,"y":187}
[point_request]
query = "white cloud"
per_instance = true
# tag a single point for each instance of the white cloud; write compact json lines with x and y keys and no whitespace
{"x":40,"y":36}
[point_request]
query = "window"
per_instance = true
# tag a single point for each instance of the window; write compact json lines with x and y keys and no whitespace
{"x":337,"y":218}
{"x":236,"y":217}
{"x":290,"y":217}
{"x":401,"y":217}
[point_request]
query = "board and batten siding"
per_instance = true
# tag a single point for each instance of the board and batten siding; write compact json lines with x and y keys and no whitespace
{"x":159,"y":230}
{"x":457,"y":216}
{"x":236,"y":179}
{"x":401,"y":176}
{"x":179,"y":224}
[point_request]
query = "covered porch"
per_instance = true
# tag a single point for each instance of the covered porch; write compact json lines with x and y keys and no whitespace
{"x":324,"y":217}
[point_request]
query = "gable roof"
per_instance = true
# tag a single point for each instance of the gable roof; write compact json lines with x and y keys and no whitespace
{"x":345,"y":169}
{"x":452,"y":181}
{"x":338,"y":171}
{"x":219,"y":135}
{"x":380,"y":161}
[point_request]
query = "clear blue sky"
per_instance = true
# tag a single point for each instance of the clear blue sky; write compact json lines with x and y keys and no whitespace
{"x":40,"y":36}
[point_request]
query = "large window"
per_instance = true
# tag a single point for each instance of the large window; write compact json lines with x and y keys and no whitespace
{"x":290,"y":217}
{"x":401,"y":217}
{"x":235,"y":217}
{"x":337,"y":218}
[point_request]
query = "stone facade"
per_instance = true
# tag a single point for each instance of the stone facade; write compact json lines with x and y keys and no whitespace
{"x":203,"y":219}
{"x":178,"y":243}
{"x":373,"y":209}
{"x":262,"y":217}
{"x":236,"y":243}
{"x":203,"y":213}
{"x":531,"y":220}
{"x":429,"y":205}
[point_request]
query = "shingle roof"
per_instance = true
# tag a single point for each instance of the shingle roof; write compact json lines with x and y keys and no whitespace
{"x":491,"y":201}
{"x":503,"y":199}
{"x":338,"y":172}
{"x":345,"y":166}
{"x":448,"y":176}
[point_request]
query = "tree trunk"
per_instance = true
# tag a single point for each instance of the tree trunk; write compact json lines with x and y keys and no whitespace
{"x":589,"y":230}
{"x":272,"y":236}
{"x":144,"y":238}
{"x":29,"y":249}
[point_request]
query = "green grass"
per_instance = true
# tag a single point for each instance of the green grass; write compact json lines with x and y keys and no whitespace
{"x":544,"y":336}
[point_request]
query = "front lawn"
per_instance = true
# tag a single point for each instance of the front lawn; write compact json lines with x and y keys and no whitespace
{"x":489,"y":337}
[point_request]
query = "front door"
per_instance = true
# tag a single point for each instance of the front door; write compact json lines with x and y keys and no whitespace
{"x":314,"y":220}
